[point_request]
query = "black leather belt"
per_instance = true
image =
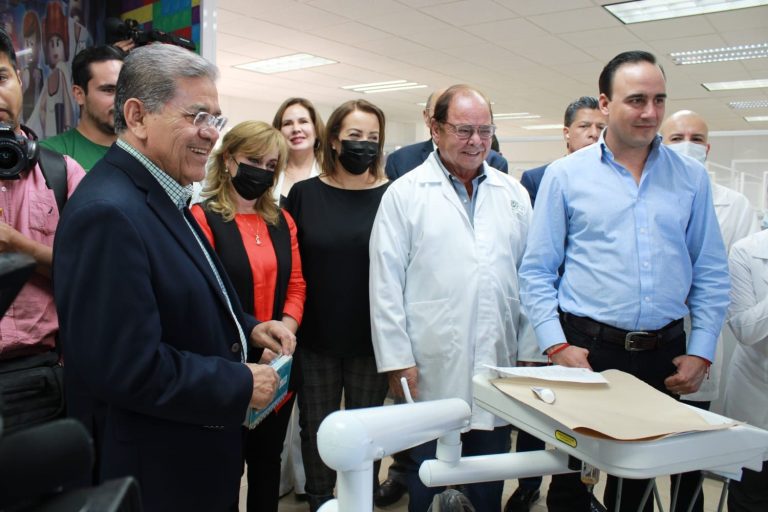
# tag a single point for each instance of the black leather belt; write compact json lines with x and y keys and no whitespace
{"x":630,"y":340}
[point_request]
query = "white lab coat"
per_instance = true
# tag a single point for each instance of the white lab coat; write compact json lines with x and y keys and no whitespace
{"x":444,"y":293}
{"x":746,"y":395}
{"x":737,"y":220}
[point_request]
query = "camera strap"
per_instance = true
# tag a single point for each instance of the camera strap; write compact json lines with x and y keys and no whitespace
{"x":54,"y":169}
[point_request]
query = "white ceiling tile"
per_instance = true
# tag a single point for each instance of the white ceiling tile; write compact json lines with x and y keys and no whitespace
{"x":551,"y":50}
{"x":295,"y":15}
{"x":445,"y":38}
{"x":576,"y":20}
{"x":393,"y":46}
{"x":740,"y":19}
{"x":412,"y":23}
{"x":350,"y":32}
{"x":364,"y":11}
{"x":517,"y":30}
{"x":600,"y":36}
{"x":527,"y":55}
{"x":533,"y":7}
{"x":469,"y":12}
{"x":675,"y":28}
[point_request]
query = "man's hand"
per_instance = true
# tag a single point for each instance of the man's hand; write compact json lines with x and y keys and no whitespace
{"x":12,"y":240}
{"x":412,"y":378}
{"x":691,"y":371}
{"x":275,"y":336}
{"x":7,"y":238}
{"x":265,"y":381}
{"x":573,"y":357}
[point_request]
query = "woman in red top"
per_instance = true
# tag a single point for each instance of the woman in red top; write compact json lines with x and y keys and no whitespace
{"x":256,"y":242}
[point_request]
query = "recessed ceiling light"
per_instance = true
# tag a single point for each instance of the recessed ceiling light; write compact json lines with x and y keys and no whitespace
{"x":743,"y":52}
{"x":515,"y":115}
{"x":543,"y":127}
{"x":738,"y":105}
{"x":286,"y":63}
{"x":651,"y":10}
{"x":738,"y":84}
{"x":392,"y":85}
{"x":756,"y":119}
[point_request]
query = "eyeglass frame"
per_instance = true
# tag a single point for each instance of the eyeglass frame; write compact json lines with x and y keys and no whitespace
{"x":202,"y":120}
{"x":474,"y":127}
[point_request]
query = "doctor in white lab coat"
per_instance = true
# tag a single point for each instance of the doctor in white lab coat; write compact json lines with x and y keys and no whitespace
{"x":746,"y":394}
{"x":444,"y":251}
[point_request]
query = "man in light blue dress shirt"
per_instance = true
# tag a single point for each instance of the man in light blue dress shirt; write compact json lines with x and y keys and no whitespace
{"x":632,"y":224}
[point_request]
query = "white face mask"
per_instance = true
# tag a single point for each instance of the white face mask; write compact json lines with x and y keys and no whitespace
{"x":696,"y":151}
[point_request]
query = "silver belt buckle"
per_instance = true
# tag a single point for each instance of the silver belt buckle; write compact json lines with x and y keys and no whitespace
{"x":628,"y":340}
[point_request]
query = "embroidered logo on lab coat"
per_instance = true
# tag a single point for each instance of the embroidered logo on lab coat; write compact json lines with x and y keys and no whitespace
{"x":516,"y":206}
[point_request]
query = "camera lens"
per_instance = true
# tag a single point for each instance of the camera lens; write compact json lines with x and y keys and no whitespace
{"x":11,"y":159}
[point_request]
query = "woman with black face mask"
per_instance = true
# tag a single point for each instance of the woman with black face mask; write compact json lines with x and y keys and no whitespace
{"x":334,"y":213}
{"x":257,"y":244}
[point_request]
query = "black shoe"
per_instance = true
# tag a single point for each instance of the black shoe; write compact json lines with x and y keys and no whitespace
{"x":390,"y":491}
{"x":521,"y":500}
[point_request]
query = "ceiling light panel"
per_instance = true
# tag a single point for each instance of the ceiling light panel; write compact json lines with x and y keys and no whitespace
{"x":652,"y":10}
{"x":390,"y":86}
{"x":286,"y":63}
{"x":743,"y":52}
{"x":740,"y":105}
{"x":756,"y":119}
{"x":739,"y":84}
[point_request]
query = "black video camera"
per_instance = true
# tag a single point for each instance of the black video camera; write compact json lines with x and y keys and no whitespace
{"x":120,"y":30}
{"x":17,"y":153}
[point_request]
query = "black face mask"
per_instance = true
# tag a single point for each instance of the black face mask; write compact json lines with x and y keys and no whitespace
{"x":358,"y":155}
{"x":251,"y":182}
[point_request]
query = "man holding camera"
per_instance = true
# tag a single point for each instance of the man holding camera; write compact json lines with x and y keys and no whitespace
{"x":28,"y":218}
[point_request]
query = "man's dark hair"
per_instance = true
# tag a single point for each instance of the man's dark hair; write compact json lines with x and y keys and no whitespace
{"x":605,"y":83}
{"x":6,"y":47}
{"x":589,"y":102}
{"x":81,"y":64}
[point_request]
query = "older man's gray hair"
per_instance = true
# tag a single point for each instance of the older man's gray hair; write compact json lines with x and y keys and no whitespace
{"x":149,"y":74}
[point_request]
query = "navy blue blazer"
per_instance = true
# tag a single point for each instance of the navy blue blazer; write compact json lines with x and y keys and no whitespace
{"x":407,"y":158}
{"x":152,"y":352}
{"x":531,"y":180}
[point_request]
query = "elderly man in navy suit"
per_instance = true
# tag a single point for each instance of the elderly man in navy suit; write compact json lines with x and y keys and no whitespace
{"x":581,"y":127}
{"x":151,"y":329}
{"x":409,"y":157}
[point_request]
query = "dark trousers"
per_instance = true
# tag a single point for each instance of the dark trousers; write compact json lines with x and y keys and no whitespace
{"x":751,"y":493}
{"x":263,"y":447}
{"x":567,"y":493}
{"x":528,"y":443}
{"x":485,"y":496}
{"x":689,"y":481}
{"x":325,"y":378}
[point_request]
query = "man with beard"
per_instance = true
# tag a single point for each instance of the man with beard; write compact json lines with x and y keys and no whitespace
{"x":94,"y":75}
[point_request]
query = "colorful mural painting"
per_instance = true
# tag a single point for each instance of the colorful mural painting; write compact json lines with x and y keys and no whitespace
{"x":48,"y":34}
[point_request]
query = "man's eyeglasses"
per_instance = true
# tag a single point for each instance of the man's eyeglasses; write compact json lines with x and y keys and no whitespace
{"x":204,"y":120}
{"x":465,"y":131}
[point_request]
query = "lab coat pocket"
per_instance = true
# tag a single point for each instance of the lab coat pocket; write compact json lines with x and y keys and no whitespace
{"x":432,"y":329}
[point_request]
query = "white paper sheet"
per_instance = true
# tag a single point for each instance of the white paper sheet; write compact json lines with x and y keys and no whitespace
{"x":552,"y":373}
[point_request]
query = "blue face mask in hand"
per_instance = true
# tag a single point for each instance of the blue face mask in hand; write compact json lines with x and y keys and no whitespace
{"x":358,"y":155}
{"x":251,"y":182}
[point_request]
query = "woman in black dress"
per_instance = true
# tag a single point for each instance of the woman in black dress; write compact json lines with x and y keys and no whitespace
{"x":334,"y":215}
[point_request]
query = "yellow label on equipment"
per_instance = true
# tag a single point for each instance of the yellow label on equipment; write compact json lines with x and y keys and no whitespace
{"x":565,"y":438}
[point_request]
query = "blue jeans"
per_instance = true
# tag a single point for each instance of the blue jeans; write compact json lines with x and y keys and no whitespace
{"x":485,"y":496}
